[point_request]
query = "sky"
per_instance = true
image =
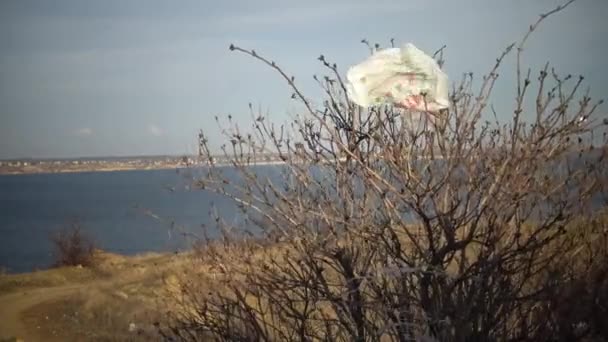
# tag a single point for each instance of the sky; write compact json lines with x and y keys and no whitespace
{"x":141,"y":77}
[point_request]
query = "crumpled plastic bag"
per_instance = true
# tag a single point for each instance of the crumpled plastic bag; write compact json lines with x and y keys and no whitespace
{"x":399,"y":76}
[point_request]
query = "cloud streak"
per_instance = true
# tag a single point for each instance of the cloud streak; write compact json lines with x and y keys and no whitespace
{"x":155,"y":130}
{"x":83,"y":132}
{"x":308,"y":14}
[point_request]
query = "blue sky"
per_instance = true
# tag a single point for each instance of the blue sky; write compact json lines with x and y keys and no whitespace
{"x":131,"y":77}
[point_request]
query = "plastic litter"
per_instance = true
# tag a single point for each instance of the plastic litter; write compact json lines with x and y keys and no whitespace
{"x":405,"y":77}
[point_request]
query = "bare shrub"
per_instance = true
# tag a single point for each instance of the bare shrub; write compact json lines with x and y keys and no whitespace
{"x":452,"y":226}
{"x":73,"y":247}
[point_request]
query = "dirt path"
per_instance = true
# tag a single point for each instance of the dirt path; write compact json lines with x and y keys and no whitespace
{"x":13,"y":305}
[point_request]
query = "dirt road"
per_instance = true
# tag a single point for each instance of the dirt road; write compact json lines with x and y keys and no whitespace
{"x":13,"y":305}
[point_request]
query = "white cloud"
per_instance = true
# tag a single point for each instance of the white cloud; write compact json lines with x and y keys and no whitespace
{"x":83,"y":132}
{"x":155,"y":130}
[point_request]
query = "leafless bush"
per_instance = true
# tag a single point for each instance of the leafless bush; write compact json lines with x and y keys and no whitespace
{"x":73,"y":247}
{"x":447,"y":227}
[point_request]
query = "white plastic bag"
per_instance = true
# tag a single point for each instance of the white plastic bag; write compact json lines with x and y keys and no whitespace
{"x":399,"y":76}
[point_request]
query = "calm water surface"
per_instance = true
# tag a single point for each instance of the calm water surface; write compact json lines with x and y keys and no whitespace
{"x":110,"y":206}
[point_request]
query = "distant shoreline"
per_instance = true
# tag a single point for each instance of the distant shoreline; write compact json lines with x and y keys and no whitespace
{"x":111,"y":169}
{"x":87,"y":165}
{"x":116,"y":164}
{"x":26,"y":170}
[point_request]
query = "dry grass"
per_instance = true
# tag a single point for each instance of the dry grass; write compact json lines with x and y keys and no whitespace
{"x":96,"y":303}
{"x":46,"y":278}
{"x":201,"y":283}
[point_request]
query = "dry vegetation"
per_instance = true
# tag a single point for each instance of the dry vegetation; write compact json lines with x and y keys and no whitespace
{"x":73,"y":247}
{"x":396,"y":226}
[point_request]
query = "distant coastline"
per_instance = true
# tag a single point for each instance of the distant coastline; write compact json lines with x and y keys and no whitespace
{"x":112,"y":164}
